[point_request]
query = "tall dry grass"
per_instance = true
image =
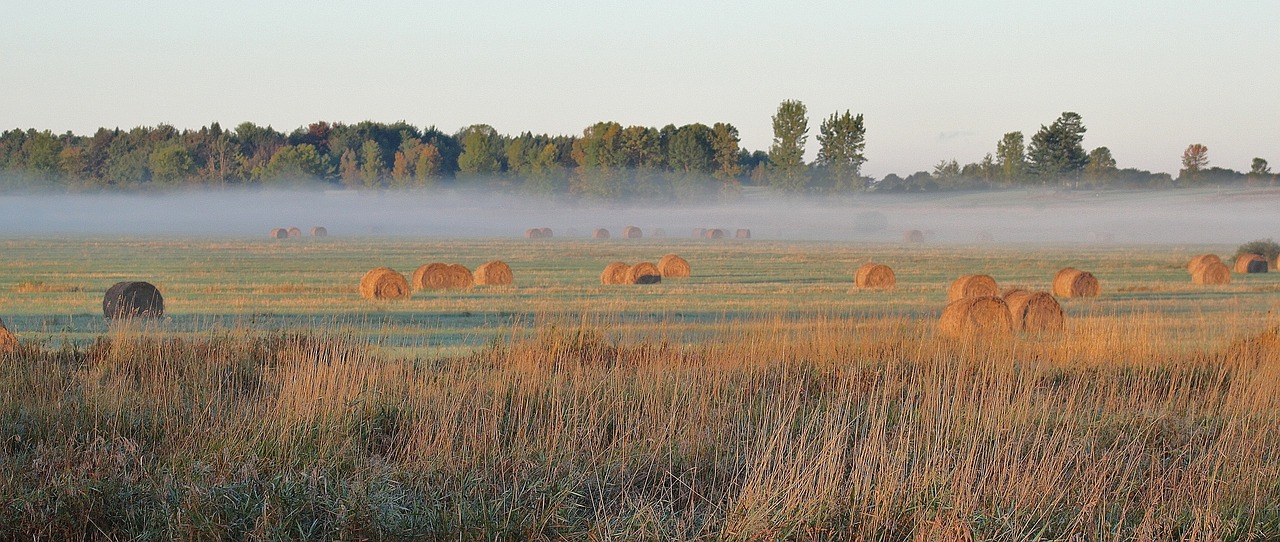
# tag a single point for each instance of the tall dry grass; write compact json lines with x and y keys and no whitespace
{"x":820,"y":428}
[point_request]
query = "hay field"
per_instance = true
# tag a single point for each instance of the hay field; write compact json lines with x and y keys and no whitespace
{"x":763,"y":398}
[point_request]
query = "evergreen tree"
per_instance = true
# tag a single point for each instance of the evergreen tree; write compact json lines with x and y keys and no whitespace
{"x":1056,"y":152}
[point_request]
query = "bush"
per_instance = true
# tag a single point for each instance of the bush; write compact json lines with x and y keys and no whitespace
{"x":1267,"y":248}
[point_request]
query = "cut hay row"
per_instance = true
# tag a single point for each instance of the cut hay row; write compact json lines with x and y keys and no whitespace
{"x":1072,"y":282}
{"x":972,"y":286}
{"x":874,"y":275}
{"x":384,"y":283}
{"x":495,"y":273}
{"x":673,"y":266}
{"x":1034,"y":312}
{"x":132,"y":299}
{"x":981,"y":315}
{"x":1250,"y":263}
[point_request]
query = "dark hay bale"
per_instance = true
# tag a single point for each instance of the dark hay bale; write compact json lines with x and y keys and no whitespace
{"x":534,"y":233}
{"x":600,"y":233}
{"x":1211,"y":274}
{"x":495,"y":273}
{"x":642,"y":273}
{"x":1072,"y":282}
{"x":874,"y":275}
{"x":714,"y":233}
{"x":972,"y":286}
{"x":673,"y":266}
{"x":614,"y":273}
{"x":279,"y":233}
{"x":632,"y":232}
{"x":384,"y":283}
{"x":132,"y":300}
{"x":319,"y":231}
{"x":1250,"y":263}
{"x":913,"y":236}
{"x":742,"y":233}
{"x":984,"y":315}
{"x":546,"y":233}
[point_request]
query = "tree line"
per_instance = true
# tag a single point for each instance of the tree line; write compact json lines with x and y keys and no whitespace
{"x":607,"y":161}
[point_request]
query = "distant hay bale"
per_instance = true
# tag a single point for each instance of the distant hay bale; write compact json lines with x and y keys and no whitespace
{"x":1034,"y":312}
{"x":546,"y":233}
{"x":742,"y":233}
{"x":643,"y":273}
{"x":384,"y":283}
{"x":600,"y":233}
{"x":495,"y":273}
{"x":295,"y":232}
{"x":319,"y":231}
{"x":913,"y":236}
{"x":1072,"y":282}
{"x":715,"y":233}
{"x":7,"y":341}
{"x":1202,"y":260}
{"x":985,"y":237}
{"x":1211,"y":274}
{"x":1250,"y":263}
{"x":132,"y":300}
{"x":972,"y":286}
{"x":699,"y":233}
{"x":279,"y":233}
{"x":673,"y":266}
{"x":533,"y":233}
{"x":1101,"y":237}
{"x":632,"y":232}
{"x":614,"y":273}
{"x":659,"y":232}
{"x":874,"y":275}
{"x":432,"y":276}
{"x":983,"y":315}
{"x":460,"y":276}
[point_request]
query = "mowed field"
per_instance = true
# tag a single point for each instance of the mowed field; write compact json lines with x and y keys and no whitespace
{"x":763,"y":398}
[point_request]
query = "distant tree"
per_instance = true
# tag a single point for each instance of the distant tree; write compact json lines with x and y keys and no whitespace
{"x":724,"y":144}
{"x":295,"y":163}
{"x":1194,"y":160}
{"x":946,"y":173}
{"x":1101,"y":167}
{"x":1260,"y":172}
{"x":1011,"y":156}
{"x":640,"y":148}
{"x":1056,"y":153}
{"x":843,"y":138}
{"x":790,"y":133}
{"x":371,"y":166}
{"x":482,"y":151}
{"x":691,"y":149}
{"x":171,"y":164}
{"x":427,"y":166}
{"x":41,"y":150}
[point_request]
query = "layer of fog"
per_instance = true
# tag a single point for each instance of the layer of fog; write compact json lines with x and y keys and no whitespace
{"x":1022,"y":216}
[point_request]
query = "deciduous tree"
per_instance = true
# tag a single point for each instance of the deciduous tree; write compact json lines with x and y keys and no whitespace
{"x":843,"y":138}
{"x":790,"y":134}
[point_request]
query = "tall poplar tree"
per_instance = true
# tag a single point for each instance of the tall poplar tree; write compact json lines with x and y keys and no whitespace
{"x":790,"y":133}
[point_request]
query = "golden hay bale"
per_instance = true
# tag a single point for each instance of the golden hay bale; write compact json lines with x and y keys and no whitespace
{"x":874,"y":275}
{"x":384,"y":283}
{"x":1035,"y":312}
{"x":699,"y":233}
{"x":432,"y":276}
{"x":7,"y":341}
{"x":546,"y":233}
{"x":632,"y":232}
{"x":972,"y":286}
{"x":600,"y":233}
{"x":642,"y":273}
{"x":673,"y":266}
{"x":460,"y":276}
{"x":659,"y":232}
{"x":319,"y":231}
{"x":495,"y":273}
{"x":983,"y":315}
{"x":295,"y":232}
{"x":742,"y":233}
{"x":132,"y":300}
{"x":279,"y":233}
{"x":1202,"y":260}
{"x":614,"y":273}
{"x":1212,"y":273}
{"x":913,"y":236}
{"x":1250,"y":263}
{"x":1072,"y":282}
{"x":714,"y":233}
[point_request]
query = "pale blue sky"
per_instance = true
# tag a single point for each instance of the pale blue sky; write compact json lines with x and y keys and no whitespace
{"x":935,"y":80}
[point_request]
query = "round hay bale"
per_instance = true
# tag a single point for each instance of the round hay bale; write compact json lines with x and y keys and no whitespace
{"x":715,"y":233}
{"x":742,"y":233}
{"x":983,"y":315}
{"x":1212,"y":273}
{"x":7,"y":341}
{"x":1250,"y":263}
{"x":279,"y":233}
{"x":913,"y":236}
{"x":642,"y":273}
{"x":673,"y":266}
{"x":132,"y":300}
{"x":874,"y":275}
{"x":659,"y":232}
{"x":972,"y":286}
{"x":699,"y":233}
{"x":432,"y":276}
{"x":546,"y":233}
{"x":384,"y":283}
{"x":614,"y":273}
{"x":295,"y":232}
{"x":495,"y":273}
{"x":460,"y":276}
{"x":533,"y":233}
{"x":600,"y":233}
{"x":632,"y":232}
{"x":1072,"y":282}
{"x":1202,"y":260}
{"x":1034,"y":312}
{"x":319,"y":231}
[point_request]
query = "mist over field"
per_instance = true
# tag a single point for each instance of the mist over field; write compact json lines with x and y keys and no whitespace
{"x":1019,"y":216}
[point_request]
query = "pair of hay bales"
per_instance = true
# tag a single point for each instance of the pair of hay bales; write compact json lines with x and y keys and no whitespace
{"x":1072,"y":282}
{"x":438,"y":276}
{"x":977,"y":308}
{"x":283,"y":233}
{"x":132,"y":299}
{"x":538,"y":233}
{"x":387,"y":283}
{"x":874,"y":275}
{"x":1208,"y":269}
{"x":621,"y":273}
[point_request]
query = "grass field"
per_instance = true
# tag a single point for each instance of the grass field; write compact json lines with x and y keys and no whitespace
{"x":763,"y":398}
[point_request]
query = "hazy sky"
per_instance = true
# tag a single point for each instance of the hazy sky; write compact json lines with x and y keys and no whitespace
{"x":935,"y":80}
